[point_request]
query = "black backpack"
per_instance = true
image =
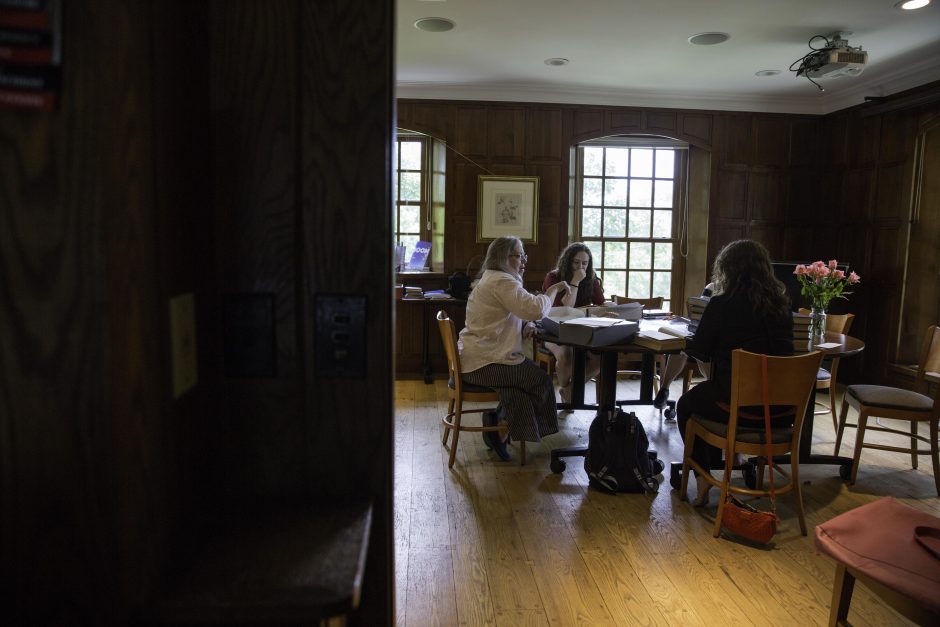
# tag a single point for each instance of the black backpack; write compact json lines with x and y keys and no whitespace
{"x":617,"y":459}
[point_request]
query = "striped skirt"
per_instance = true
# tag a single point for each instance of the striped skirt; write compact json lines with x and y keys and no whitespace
{"x":526,"y":395}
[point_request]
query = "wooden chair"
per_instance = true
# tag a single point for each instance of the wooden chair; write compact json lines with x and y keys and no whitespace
{"x":459,"y":392}
{"x":542,"y":356}
{"x":826,"y":378}
{"x":791,"y":381}
{"x":888,"y":402}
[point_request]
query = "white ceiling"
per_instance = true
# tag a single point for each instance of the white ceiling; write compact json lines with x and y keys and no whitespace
{"x":636,"y":53}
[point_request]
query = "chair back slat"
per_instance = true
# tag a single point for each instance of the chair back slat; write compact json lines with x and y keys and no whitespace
{"x":792,"y":381}
{"x":449,"y":339}
{"x":930,"y":354}
{"x":655,"y":302}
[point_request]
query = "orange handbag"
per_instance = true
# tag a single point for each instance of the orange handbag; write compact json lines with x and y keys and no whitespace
{"x":737,"y":516}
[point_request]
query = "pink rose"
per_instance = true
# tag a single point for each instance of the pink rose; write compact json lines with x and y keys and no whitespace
{"x":800,"y":269}
{"x":854,"y":278}
{"x":832,"y":264}
{"x":838,"y":275}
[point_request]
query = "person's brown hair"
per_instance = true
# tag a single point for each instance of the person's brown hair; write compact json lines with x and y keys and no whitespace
{"x":566,"y":258}
{"x":744,"y":267}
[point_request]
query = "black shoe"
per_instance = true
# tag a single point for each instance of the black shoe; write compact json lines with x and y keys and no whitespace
{"x":489,"y":420}
{"x":661,"y":397}
{"x":500,"y":447}
{"x":658,"y":467}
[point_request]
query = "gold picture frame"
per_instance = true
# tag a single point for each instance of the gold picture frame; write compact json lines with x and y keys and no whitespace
{"x":507,"y":206}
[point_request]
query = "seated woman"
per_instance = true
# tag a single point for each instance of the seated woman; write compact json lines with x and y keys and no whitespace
{"x":749,"y":310}
{"x":675,"y":364}
{"x":491,"y":347}
{"x":576,"y":268}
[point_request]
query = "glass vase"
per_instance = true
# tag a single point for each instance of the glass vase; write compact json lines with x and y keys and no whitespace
{"x":817,"y":326}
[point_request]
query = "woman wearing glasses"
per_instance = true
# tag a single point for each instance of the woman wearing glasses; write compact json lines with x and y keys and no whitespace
{"x":576,"y":268}
{"x":498,"y":313}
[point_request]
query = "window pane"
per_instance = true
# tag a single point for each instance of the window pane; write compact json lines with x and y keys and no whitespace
{"x":593,"y":161}
{"x":642,"y":163}
{"x":614,"y":283}
{"x":663,"y":194}
{"x":615,"y":193}
{"x":591,"y":223}
{"x":410,"y":186}
{"x":665,"y":164}
{"x":662,"y":255}
{"x":662,"y":224}
{"x":639,"y":223}
{"x":409,"y":241}
{"x":615,"y":255}
{"x":410,"y":219}
{"x":641,"y":255}
{"x":662,"y":283}
{"x":641,"y":193}
{"x":639,"y":285}
{"x":411,"y":155}
{"x":615,"y":222}
{"x":617,"y":161}
{"x":592,"y":192}
{"x":597,"y":252}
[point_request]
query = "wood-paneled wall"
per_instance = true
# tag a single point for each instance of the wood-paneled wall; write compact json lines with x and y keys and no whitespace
{"x":207,"y":148}
{"x":807,"y":187}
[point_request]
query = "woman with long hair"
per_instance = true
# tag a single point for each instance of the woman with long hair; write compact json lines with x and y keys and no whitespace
{"x":749,"y":310}
{"x":499,"y":314}
{"x":576,"y":268}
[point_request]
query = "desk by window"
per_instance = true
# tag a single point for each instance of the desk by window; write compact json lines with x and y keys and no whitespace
{"x":426,"y":305}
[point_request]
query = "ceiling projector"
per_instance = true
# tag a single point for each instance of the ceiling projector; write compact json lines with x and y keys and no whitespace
{"x":837,"y":58}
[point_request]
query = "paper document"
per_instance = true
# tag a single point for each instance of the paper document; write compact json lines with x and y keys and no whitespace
{"x":679,"y":330}
{"x":595,"y":322}
{"x":828,"y":345}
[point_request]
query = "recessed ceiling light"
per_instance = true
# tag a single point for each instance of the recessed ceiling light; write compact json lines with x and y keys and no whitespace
{"x":709,"y":39}
{"x":434,"y":24}
{"x":556,"y":61}
{"x":767,"y":73}
{"x":910,"y":5}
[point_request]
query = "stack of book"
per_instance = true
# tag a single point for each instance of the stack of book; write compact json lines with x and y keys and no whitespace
{"x":696,"y":306}
{"x":412,"y":292}
{"x":800,"y":332}
{"x":664,"y":339}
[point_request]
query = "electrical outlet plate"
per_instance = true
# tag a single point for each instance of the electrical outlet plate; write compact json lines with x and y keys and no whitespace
{"x":340,"y":336}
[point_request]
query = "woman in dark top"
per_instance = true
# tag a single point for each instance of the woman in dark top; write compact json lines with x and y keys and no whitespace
{"x":576,"y":268}
{"x":749,"y":310}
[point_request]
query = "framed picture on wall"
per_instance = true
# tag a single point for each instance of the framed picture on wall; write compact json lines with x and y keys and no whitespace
{"x":507,"y":205}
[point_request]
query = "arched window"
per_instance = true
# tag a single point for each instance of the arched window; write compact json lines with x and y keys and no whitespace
{"x":629,"y":195}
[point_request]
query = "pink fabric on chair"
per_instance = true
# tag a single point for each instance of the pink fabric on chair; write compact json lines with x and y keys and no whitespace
{"x":879,"y":540}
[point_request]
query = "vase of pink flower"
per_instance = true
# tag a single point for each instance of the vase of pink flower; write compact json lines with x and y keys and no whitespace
{"x":820,"y":282}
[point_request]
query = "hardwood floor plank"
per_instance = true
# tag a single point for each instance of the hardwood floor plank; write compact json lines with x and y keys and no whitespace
{"x":431,"y":596}
{"x":473,"y":592}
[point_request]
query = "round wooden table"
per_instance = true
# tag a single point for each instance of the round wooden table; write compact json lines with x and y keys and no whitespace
{"x":847,"y":347}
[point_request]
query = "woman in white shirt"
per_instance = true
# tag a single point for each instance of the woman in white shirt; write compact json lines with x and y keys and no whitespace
{"x":499,"y":315}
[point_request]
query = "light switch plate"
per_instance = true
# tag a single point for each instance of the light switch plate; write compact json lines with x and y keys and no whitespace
{"x":183,"y":343}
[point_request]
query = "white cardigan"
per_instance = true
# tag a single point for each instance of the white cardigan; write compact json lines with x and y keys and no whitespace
{"x":495,"y":310}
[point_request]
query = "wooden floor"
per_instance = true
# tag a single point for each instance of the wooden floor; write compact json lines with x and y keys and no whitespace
{"x":493,"y":543}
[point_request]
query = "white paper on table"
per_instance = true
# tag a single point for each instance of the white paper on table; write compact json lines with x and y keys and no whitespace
{"x":828,"y":345}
